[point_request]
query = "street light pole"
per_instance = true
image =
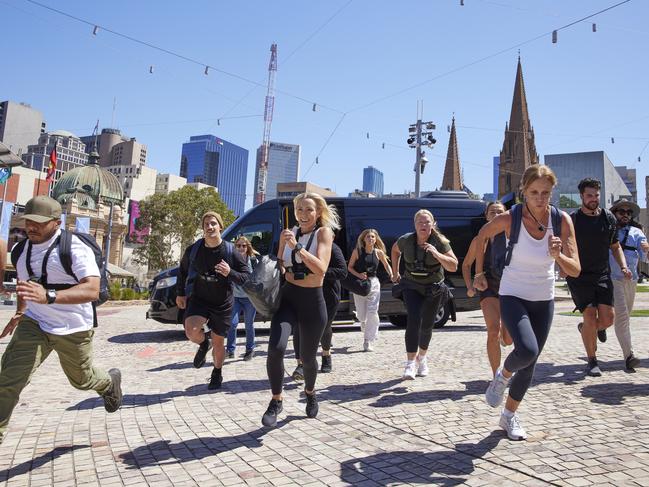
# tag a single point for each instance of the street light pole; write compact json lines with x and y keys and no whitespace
{"x":417,"y":138}
{"x":418,"y":161}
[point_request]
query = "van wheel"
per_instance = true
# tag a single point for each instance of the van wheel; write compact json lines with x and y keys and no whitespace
{"x":442,"y":316}
{"x":400,"y":321}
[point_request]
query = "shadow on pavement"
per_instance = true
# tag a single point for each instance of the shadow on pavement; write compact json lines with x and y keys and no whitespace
{"x":450,"y":327}
{"x":164,"y":452}
{"x":157,"y":336}
{"x":357,"y":392}
{"x":399,"y":396}
{"x":446,"y":468}
{"x":614,"y":394}
{"x":37,"y":462}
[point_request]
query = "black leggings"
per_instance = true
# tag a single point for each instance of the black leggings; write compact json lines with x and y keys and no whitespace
{"x":327,"y":334}
{"x":300,"y":308}
{"x":528,"y":323}
{"x":421,"y":318}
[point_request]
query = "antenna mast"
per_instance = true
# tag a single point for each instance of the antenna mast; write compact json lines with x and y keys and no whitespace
{"x":262,"y":163}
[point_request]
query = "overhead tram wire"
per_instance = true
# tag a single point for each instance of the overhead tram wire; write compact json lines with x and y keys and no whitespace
{"x":203,"y":65}
{"x":485,"y":58}
{"x":325,"y":144}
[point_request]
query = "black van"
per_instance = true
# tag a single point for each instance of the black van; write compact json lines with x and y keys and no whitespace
{"x":458,"y":217}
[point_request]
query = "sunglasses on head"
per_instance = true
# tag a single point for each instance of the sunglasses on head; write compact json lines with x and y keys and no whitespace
{"x":625,"y":212}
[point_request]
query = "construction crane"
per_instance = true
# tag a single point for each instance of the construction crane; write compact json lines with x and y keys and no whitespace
{"x":262,"y":163}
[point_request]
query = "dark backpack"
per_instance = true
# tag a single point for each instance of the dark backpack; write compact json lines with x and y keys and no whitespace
{"x":64,"y":244}
{"x":501,"y":251}
{"x":192,"y":272}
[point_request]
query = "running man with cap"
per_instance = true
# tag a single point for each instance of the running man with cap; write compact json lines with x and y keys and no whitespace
{"x":635,"y":247}
{"x":53,"y":318}
{"x":208,"y":271}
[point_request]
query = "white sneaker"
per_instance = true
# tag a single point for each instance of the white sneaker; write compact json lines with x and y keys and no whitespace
{"x":422,"y":366}
{"x":367,"y":347}
{"x":512,"y":425}
{"x":496,"y":389}
{"x":410,"y":371}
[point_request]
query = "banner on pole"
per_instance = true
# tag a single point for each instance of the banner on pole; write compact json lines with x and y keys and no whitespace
{"x":7,"y":210}
{"x":83,"y":224}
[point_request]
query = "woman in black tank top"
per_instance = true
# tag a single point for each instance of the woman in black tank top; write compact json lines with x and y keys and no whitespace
{"x":496,"y":333}
{"x":364,"y":264}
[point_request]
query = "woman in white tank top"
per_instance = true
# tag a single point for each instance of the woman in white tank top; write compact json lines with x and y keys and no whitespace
{"x":527,"y":288}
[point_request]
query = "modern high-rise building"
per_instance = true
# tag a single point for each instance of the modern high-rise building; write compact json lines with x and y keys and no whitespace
{"x":283,"y":166}
{"x":373,"y":180}
{"x":70,"y":153}
{"x":572,"y":168}
{"x":115,"y":149}
{"x":20,"y":126}
{"x":628,"y":175}
{"x":219,"y":163}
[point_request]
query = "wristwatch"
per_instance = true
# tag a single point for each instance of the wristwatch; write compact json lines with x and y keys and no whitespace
{"x":51,"y":296}
{"x":298,"y":247}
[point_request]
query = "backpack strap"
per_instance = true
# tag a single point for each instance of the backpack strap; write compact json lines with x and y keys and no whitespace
{"x":556,"y":218}
{"x":514,"y":231}
{"x":16,"y":252}
{"x":192,"y":272}
{"x":65,"y":253}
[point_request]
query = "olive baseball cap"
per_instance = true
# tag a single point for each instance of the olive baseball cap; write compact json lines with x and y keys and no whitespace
{"x":41,"y":209}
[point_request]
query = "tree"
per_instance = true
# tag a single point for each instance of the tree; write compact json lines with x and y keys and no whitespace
{"x":174,"y":220}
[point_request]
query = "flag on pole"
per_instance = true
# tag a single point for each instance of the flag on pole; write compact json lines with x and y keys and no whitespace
{"x":52,"y":167}
{"x":82,"y":224}
{"x":5,"y":174}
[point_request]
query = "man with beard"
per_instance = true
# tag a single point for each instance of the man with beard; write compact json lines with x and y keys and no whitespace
{"x":635,"y":247}
{"x":592,"y":290}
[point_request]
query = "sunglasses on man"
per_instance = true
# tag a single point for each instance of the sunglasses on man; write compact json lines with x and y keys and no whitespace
{"x":624,"y":212}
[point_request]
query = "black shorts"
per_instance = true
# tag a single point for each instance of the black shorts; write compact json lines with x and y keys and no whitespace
{"x":493,"y":285}
{"x":587,"y":292}
{"x":218,"y":319}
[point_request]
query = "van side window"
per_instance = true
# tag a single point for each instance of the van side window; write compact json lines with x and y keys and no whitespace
{"x":259,"y":234}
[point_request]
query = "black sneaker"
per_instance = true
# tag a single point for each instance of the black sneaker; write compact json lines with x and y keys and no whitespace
{"x":311,"y":405}
{"x":201,"y":353}
{"x":580,"y":326}
{"x":592,"y":369}
{"x":216,"y":380}
{"x":113,"y":398}
{"x":631,"y":362}
{"x":270,"y":416}
{"x":601,"y":335}
{"x":249,"y":354}
{"x":230,"y":354}
{"x":326,"y":364}
{"x":298,"y":374}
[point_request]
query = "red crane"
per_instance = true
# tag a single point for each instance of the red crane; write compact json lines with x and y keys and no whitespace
{"x":262,"y":163}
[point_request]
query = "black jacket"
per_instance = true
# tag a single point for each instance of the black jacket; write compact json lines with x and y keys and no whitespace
{"x":336,"y":271}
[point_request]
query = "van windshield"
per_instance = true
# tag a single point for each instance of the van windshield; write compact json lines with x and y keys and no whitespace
{"x":259,"y":234}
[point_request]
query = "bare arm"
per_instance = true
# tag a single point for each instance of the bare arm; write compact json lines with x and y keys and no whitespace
{"x":618,"y":255}
{"x":384,"y":260}
{"x":395,"y":255}
{"x":352,"y":263}
{"x":469,"y":258}
{"x":85,"y":292}
{"x":567,"y":256}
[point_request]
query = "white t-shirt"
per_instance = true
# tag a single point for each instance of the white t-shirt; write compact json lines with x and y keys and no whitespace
{"x":60,"y":319}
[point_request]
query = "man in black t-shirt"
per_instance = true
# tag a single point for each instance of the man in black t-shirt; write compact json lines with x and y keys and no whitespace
{"x":208,"y":269}
{"x":592,"y":290}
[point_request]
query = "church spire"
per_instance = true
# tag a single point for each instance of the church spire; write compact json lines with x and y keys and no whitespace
{"x":452,"y":175}
{"x":519,"y":149}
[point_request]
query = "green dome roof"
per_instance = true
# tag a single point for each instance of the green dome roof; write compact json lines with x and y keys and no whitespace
{"x":101,"y":185}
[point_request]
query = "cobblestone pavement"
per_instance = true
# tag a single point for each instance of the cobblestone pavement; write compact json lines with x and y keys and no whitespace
{"x":373,"y":429}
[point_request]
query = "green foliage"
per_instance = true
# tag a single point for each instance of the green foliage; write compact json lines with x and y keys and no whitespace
{"x":175,"y":218}
{"x":115,"y":290}
{"x":128,"y":294}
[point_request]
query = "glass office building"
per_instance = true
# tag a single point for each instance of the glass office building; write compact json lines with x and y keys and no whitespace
{"x":283,"y":167}
{"x":217,"y":162}
{"x":373,"y":181}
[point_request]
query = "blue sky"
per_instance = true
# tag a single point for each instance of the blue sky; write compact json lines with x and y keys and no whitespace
{"x":348,"y":56}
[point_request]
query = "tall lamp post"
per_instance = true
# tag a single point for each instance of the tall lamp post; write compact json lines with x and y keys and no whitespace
{"x":420,"y":134}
